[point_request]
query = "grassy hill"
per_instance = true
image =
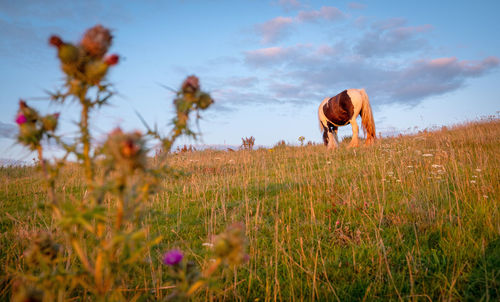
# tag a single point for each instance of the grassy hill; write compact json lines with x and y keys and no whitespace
{"x":411,"y":218}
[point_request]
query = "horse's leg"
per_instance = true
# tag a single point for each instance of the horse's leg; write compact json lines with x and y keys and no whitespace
{"x":355,"y":131}
{"x":335,"y":134}
{"x":332,"y":144}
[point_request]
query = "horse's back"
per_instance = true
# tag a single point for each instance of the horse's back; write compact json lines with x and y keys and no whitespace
{"x":339,"y":109}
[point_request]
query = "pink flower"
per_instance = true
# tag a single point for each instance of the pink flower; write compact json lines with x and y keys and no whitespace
{"x":173,"y":257}
{"x":21,"y":119}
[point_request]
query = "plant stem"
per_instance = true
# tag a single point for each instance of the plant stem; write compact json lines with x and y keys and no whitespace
{"x":84,"y":127}
{"x":50,"y":183}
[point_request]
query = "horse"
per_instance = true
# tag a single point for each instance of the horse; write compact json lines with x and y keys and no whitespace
{"x":343,"y":109}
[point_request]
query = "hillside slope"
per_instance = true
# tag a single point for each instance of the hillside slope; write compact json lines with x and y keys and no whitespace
{"x":412,"y":218}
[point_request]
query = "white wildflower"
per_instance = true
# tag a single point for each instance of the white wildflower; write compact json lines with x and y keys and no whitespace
{"x":472,"y":181}
{"x":427,"y":155}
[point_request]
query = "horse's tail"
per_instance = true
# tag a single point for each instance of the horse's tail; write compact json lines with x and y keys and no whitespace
{"x":367,"y":121}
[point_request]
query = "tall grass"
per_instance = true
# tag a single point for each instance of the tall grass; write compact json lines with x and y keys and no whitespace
{"x":411,"y":218}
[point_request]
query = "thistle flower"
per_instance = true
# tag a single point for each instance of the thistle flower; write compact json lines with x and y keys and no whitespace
{"x":172,"y":257}
{"x":21,"y":119}
{"x":191,"y":84}
{"x":96,"y":41}
{"x":112,"y":60}
{"x":55,"y":41}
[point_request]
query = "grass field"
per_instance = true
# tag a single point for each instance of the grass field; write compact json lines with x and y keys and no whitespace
{"x":411,"y":218}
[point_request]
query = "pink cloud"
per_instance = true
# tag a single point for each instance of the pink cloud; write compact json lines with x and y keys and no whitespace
{"x":329,"y":13}
{"x":279,"y":28}
{"x":289,"y":4}
{"x":356,"y":5}
{"x":275,"y":29}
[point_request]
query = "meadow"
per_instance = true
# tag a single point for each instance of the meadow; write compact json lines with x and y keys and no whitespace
{"x":412,"y":218}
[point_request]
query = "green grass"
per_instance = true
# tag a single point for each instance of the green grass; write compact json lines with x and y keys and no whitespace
{"x":411,"y":218}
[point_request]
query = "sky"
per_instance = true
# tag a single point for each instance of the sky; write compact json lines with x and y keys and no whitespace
{"x":268,"y":64}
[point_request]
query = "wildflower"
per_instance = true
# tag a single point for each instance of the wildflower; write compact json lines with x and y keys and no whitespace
{"x":96,"y":41}
{"x":472,"y":181}
{"x":337,"y":223}
{"x":173,"y":257}
{"x":427,"y":155}
{"x":21,"y":119}
{"x":478,"y":170}
{"x":191,"y":84}
{"x":112,"y":60}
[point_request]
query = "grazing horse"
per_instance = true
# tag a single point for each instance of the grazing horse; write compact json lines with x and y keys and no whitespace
{"x":343,"y":109}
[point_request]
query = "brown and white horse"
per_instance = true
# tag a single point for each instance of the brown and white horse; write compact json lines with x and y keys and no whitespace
{"x":343,"y":109}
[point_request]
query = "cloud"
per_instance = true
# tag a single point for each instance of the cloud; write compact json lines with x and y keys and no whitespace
{"x":275,"y":30}
{"x":266,"y":57}
{"x":356,"y":5}
{"x":305,"y":72}
{"x":7,"y":130}
{"x":392,"y":37}
{"x":425,"y":78}
{"x":290,"y":4}
{"x":328,"y":13}
{"x":279,"y":28}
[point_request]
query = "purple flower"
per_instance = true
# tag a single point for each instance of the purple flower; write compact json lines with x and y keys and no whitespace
{"x":172,"y":257}
{"x":21,"y":119}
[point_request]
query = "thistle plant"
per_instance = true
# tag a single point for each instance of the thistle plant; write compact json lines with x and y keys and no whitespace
{"x":101,"y":242}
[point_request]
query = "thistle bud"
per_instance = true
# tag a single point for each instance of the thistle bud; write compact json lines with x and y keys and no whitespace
{"x":68,"y":53}
{"x":204,"y":101}
{"x":125,"y":150}
{"x":95,"y":71}
{"x":191,"y":84}
{"x":112,"y":60}
{"x":50,"y":122}
{"x":55,"y":41}
{"x":30,"y":114}
{"x":96,"y":41}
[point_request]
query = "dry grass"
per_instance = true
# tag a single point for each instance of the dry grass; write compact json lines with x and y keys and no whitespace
{"x":411,"y":218}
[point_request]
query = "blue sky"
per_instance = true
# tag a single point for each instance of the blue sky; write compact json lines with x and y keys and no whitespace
{"x":268,"y":64}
